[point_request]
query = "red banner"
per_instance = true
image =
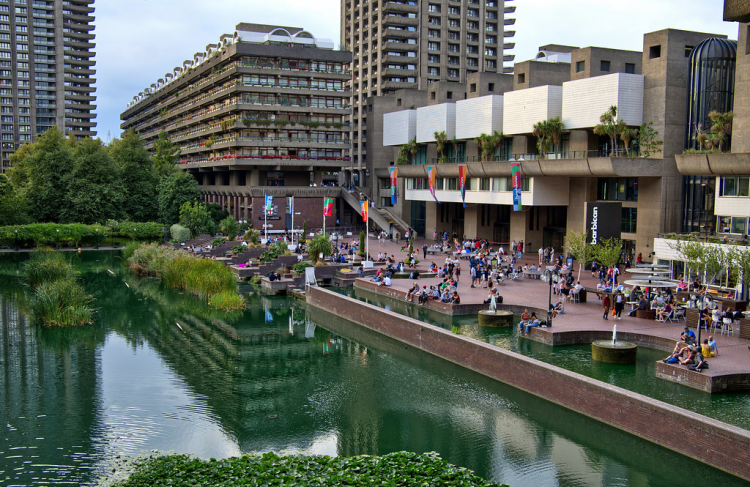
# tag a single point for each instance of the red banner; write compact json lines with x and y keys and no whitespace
{"x":462,"y":182}
{"x":328,"y":206}
{"x":363,"y":207}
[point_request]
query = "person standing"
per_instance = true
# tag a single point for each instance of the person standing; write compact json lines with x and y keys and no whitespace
{"x":606,"y":304}
{"x":619,"y":304}
{"x":424,"y":251}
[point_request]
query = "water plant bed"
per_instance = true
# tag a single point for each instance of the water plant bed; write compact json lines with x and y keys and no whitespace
{"x":395,"y":469}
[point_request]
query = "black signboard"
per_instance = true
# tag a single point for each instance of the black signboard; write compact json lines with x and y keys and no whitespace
{"x":603,"y":221}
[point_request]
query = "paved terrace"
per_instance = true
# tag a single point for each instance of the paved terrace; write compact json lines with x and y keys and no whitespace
{"x":583,"y":323}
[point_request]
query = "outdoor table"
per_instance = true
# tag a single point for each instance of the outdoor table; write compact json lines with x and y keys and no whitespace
{"x":533,"y":274}
{"x":632,"y":304}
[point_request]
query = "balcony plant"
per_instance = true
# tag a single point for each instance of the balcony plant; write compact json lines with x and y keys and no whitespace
{"x":407,"y":152}
{"x":441,"y":139}
{"x":609,"y":126}
{"x":487,"y":143}
{"x":721,"y":128}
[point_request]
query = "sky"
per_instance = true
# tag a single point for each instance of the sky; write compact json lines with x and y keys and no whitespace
{"x":139,"y":41}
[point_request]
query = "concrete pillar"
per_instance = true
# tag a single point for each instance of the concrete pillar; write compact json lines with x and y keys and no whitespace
{"x":246,"y":214}
{"x":471,"y":221}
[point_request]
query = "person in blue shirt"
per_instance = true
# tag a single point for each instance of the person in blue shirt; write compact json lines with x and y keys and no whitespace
{"x":688,"y":336}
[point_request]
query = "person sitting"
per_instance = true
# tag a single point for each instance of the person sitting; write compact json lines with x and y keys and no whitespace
{"x":272,"y":276}
{"x":414,"y":274}
{"x":690,"y":358}
{"x":643,"y":305}
{"x":557,"y":309}
{"x":688,"y":336}
{"x":445,"y":297}
{"x":525,"y":316}
{"x":433,"y":267}
{"x":455,"y":298}
{"x":434,"y":293}
{"x":360,"y":271}
{"x":412,"y":292}
{"x":533,"y":321}
{"x":424,"y":295}
{"x":663,"y":313}
{"x":706,"y":348}
{"x":679,"y":349}
{"x":699,"y":361}
{"x":386,"y":281}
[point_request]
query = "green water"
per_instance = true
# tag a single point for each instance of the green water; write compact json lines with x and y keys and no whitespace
{"x":641,"y":378}
{"x":271,"y":378}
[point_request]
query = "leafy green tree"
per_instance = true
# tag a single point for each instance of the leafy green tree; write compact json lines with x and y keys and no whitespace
{"x":179,"y":233}
{"x":94,"y":191}
{"x":608,"y":126}
{"x":217,"y":212}
{"x":229,"y":227}
{"x":548,"y":134}
{"x":647,"y":140}
{"x":407,"y":152}
{"x":46,"y":168}
{"x":442,"y":141}
{"x":721,"y":128}
{"x":13,"y":209}
{"x":608,"y":252}
{"x":139,"y":179}
{"x":174,"y":191}
{"x":165,"y":156}
{"x":580,"y":249}
{"x":195,"y":217}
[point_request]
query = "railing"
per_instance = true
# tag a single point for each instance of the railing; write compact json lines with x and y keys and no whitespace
{"x":259,"y":157}
{"x":547,"y":156}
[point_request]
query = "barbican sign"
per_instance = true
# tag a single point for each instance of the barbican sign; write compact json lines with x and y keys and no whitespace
{"x":603,"y":221}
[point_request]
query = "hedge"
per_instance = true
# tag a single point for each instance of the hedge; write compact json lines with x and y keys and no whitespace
{"x":77,"y":234}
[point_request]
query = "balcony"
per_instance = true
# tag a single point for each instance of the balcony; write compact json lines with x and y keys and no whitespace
{"x":400,"y":8}
{"x":716,"y":164}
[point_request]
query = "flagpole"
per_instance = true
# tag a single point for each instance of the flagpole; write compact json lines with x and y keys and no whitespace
{"x":367,"y":233}
{"x":291,"y":201}
{"x":265,"y":217}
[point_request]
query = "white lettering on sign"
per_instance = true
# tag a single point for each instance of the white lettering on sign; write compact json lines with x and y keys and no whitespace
{"x":594,"y":225}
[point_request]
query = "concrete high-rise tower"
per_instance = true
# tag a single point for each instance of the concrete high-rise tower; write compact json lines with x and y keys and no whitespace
{"x":399,"y":44}
{"x":46,"y":70}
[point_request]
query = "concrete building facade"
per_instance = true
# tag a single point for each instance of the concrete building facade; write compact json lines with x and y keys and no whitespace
{"x":409,"y":44}
{"x":265,"y":110}
{"x":46,"y":71}
{"x":642,"y":195}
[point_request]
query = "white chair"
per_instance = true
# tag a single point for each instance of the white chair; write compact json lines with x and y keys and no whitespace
{"x":727,"y":327}
{"x":575,"y":295}
{"x":679,"y":314}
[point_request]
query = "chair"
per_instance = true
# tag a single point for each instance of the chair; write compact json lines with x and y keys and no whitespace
{"x":574,"y":295}
{"x":667,"y":317}
{"x":679,"y":314}
{"x":727,"y":327}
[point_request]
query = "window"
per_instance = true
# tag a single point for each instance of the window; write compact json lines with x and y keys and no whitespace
{"x":617,"y":189}
{"x":484,"y":184}
{"x":433,"y":33}
{"x":521,"y":78}
{"x":432,"y":95}
{"x":432,"y":71}
{"x":490,"y":51}
{"x":433,"y":58}
{"x":433,"y":20}
{"x":433,"y":46}
{"x":449,"y":95}
{"x":580,"y":66}
{"x":473,"y":88}
{"x":729,"y":224}
{"x":734,"y":186}
{"x":629,"y":220}
{"x":452,"y":73}
{"x":453,"y":60}
{"x":454,"y":23}
{"x":604,"y":66}
{"x":654,"y":52}
{"x":491,"y":87}
{"x":688,"y":50}
{"x":630,"y":68}
{"x":434,"y":8}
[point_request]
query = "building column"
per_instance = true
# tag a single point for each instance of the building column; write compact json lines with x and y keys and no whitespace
{"x":471,"y":221}
{"x":247,"y":208}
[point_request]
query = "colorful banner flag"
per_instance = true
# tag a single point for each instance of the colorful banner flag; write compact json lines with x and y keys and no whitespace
{"x":290,"y":205}
{"x":431,"y":181}
{"x":462,"y":182}
{"x":328,"y":206}
{"x":363,"y":207}
{"x":515,"y":171}
{"x":394,"y":185}
{"x":269,"y":202}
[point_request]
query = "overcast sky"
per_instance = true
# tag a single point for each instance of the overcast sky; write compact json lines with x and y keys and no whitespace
{"x":138,"y":41}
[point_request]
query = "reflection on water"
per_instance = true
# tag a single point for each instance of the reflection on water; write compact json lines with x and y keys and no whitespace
{"x":275,"y":377}
{"x":641,"y":378}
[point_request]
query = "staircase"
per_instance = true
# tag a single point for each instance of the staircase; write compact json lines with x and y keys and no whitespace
{"x":381,"y":217}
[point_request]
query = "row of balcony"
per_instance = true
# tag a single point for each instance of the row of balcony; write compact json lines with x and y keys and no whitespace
{"x":263,"y":142}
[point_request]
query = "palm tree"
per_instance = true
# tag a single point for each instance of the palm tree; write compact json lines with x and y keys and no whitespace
{"x":608,"y":126}
{"x":407,"y":151}
{"x":701,"y":136}
{"x":541,"y":132}
{"x":555,"y":129}
{"x":413,"y":148}
{"x":722,"y":126}
{"x":442,"y":140}
{"x":494,"y":141}
{"x":482,"y":142}
{"x":626,"y":135}
{"x":319,"y":245}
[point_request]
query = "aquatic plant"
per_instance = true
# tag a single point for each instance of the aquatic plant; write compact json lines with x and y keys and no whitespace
{"x":396,"y":469}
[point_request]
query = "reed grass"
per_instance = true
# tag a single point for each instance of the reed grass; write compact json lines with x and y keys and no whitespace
{"x":179,"y":270}
{"x":227,"y":300}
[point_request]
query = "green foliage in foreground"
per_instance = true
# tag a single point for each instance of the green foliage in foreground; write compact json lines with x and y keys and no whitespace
{"x":395,"y":469}
{"x":77,"y":234}
{"x":58,"y":298}
{"x":208,"y":279}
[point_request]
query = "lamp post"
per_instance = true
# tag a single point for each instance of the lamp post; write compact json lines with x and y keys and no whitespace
{"x":15,"y":241}
{"x":549,"y":303}
{"x":57,"y":239}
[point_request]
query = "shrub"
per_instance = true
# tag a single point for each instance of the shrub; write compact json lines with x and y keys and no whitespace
{"x":179,"y":233}
{"x":63,"y":302}
{"x":300,"y":267}
{"x":45,"y":265}
{"x":227,"y":300}
{"x":229,"y":227}
{"x":217,"y":242}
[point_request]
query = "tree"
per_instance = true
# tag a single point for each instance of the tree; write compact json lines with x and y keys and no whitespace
{"x":548,"y":134}
{"x":555,"y":128}
{"x":579,"y":247}
{"x":94,"y":191}
{"x":139,"y":180}
{"x":165,"y":156}
{"x":319,"y":245}
{"x":229,"y":227}
{"x":217,"y":212}
{"x":608,"y":252}
{"x":691,"y":253}
{"x":179,"y":233}
{"x":647,"y":140}
{"x":701,"y":136}
{"x":44,"y":168}
{"x":13,"y":209}
{"x":174,"y":191}
{"x":740,"y":258}
{"x":487,"y":143}
{"x":608,"y":126}
{"x":721,"y":128}
{"x":626,"y":135}
{"x":194,"y":216}
{"x":441,"y":138}
{"x":407,"y":152}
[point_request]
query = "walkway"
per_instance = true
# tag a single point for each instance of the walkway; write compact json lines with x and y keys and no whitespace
{"x":734,"y":357}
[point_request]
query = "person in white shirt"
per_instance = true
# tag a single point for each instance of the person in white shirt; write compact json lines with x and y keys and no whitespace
{"x":386,"y":281}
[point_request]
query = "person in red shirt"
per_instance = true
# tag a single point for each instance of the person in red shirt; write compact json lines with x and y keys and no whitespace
{"x":606,"y":303}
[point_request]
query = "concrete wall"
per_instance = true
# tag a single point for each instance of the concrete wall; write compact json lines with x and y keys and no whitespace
{"x":522,"y":109}
{"x":704,"y":439}
{"x":399,"y":127}
{"x":585,"y":100}
{"x":741,"y":121}
{"x":530,"y":74}
{"x":592,"y":58}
